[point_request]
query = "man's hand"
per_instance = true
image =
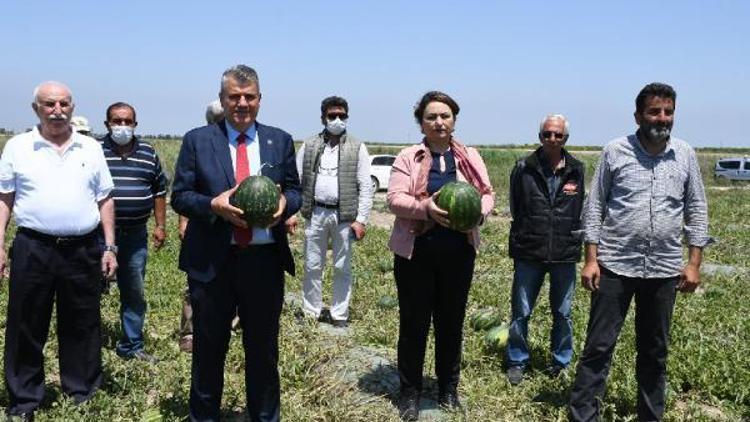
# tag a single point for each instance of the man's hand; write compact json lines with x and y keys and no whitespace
{"x":220,"y":206}
{"x":590,"y":275}
{"x":160,"y":235}
{"x":359,"y":230}
{"x":291,"y":225}
{"x":282,"y":206}
{"x":689,"y":279}
{"x":109,"y":264}
{"x":436,"y":213}
{"x":182,"y":227}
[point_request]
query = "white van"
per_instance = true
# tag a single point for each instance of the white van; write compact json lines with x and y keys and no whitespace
{"x":737,"y":168}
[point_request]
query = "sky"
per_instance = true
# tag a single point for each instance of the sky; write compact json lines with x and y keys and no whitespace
{"x":507,"y":63}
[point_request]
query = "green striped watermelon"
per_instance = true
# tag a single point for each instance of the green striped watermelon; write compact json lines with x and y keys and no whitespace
{"x":484,"y":319}
{"x":463,"y":204}
{"x":258,"y":198}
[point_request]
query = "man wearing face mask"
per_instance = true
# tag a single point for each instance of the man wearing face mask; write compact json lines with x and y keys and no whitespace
{"x":334,"y":168}
{"x":140,"y":188}
{"x":647,"y":191}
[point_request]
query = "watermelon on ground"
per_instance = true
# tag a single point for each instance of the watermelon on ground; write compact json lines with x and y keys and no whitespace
{"x":484,"y":319}
{"x":463,"y":203}
{"x":258,"y":198}
{"x":387,"y":302}
{"x":497,"y":337}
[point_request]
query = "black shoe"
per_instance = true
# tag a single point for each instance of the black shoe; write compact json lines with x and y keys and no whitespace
{"x":340,"y":323}
{"x":141,"y":355}
{"x":554,"y":370}
{"x":20,"y":417}
{"x":325,"y":316}
{"x":515,"y":375}
{"x":408,"y":407}
{"x":449,"y":400}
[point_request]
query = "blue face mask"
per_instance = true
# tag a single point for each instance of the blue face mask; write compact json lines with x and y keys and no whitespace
{"x":121,"y":135}
{"x":336,"y":127}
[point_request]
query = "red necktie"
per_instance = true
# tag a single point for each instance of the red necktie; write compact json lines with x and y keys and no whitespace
{"x":242,"y":236}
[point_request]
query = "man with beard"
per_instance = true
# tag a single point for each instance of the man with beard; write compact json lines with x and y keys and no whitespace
{"x":56,"y":183}
{"x":646,"y":190}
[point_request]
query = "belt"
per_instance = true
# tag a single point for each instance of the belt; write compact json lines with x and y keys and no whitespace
{"x":327,"y":206}
{"x":58,"y":240}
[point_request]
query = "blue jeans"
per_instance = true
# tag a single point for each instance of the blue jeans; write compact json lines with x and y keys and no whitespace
{"x":131,"y":257}
{"x":527,"y":281}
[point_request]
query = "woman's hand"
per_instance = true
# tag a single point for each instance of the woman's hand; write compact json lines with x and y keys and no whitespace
{"x":436,"y":213}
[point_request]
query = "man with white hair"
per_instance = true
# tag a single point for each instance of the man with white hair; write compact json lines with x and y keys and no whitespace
{"x":57,"y":184}
{"x":546,"y":199}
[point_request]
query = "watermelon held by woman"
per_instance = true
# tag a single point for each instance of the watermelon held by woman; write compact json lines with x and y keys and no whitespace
{"x":463,"y":204}
{"x":258,"y":198}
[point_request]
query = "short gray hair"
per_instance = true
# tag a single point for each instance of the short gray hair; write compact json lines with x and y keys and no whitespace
{"x":566,"y":124}
{"x":240,"y":73}
{"x":60,"y":84}
{"x":214,"y":112}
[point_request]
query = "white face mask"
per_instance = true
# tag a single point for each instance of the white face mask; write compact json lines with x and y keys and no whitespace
{"x":336,"y":127}
{"x":121,"y":135}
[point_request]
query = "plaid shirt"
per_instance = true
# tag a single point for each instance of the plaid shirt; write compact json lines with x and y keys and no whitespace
{"x":640,"y":204}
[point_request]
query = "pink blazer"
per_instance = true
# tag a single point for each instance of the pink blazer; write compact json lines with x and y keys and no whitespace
{"x":411,"y":213}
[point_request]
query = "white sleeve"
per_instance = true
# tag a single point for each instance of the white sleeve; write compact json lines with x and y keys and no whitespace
{"x":104,"y":183}
{"x":300,"y":159}
{"x":7,"y":173}
{"x":365,"y":185}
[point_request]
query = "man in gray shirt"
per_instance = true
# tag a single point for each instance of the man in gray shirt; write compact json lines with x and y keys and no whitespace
{"x":646,"y":191}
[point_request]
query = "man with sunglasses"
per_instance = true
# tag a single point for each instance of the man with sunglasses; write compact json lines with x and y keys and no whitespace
{"x":546,"y":199}
{"x":336,"y":200}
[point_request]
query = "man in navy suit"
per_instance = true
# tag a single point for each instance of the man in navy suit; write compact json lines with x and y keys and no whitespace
{"x":230,"y":265}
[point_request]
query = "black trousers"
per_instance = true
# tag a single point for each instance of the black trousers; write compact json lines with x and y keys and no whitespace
{"x":433,"y":284}
{"x":252,"y":282}
{"x":654,"y":302}
{"x":42,"y":273}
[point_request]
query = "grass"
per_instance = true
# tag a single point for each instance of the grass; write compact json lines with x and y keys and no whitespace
{"x":328,"y":377}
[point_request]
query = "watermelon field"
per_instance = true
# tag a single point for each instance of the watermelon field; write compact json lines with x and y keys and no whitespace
{"x":350,"y":375}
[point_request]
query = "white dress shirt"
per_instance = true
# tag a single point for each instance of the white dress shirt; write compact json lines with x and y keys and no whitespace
{"x":55,"y":194}
{"x":261,"y":235}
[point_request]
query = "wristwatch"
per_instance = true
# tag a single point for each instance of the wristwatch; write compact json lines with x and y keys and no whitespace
{"x":111,"y":248}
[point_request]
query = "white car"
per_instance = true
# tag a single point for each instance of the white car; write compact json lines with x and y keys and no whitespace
{"x":737,"y":168}
{"x":380,"y":171}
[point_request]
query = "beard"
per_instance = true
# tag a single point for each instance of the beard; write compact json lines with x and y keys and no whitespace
{"x":656,"y":132}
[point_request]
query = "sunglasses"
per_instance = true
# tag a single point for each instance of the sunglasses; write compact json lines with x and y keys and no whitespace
{"x":333,"y":116}
{"x":548,"y":134}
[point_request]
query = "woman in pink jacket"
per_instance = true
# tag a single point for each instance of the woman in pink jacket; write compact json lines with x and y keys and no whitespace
{"x":433,"y":264}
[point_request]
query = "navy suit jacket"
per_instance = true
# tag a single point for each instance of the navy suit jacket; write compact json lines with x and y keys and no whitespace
{"x":203,"y":171}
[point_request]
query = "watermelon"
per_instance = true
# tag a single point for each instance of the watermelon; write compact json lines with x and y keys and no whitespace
{"x":463,"y":204}
{"x":387,"y":302}
{"x":258,"y":198}
{"x":484,"y":319}
{"x":497,"y":337}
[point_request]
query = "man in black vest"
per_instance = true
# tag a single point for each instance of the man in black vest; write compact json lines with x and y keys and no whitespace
{"x":546,"y":199}
{"x":336,"y":200}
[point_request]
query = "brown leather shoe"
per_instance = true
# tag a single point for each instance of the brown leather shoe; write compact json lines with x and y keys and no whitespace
{"x":186,"y":343}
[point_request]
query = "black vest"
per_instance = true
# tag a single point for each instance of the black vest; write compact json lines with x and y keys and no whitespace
{"x":544,"y":230}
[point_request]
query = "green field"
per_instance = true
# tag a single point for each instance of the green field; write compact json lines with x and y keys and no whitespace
{"x":330,"y":376}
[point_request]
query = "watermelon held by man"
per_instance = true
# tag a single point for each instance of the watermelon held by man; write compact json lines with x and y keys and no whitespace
{"x":258,"y":198}
{"x":463,"y":204}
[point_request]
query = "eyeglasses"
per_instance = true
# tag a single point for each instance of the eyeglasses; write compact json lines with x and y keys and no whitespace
{"x":548,"y":134}
{"x":51,"y":104}
{"x":333,"y":116}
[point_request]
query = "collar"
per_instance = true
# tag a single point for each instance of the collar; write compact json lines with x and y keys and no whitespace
{"x":233,"y":133}
{"x":75,"y":137}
